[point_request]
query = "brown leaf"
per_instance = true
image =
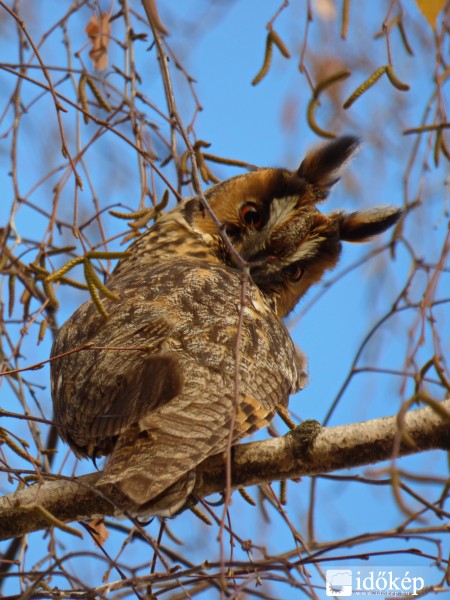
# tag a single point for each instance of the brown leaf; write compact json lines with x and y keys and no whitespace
{"x":431,"y":9}
{"x":98,"y":530}
{"x":98,"y":30}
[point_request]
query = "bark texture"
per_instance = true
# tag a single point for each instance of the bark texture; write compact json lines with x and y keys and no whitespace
{"x":306,"y":450}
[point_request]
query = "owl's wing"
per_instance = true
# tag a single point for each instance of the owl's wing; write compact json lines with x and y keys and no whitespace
{"x":117,"y":375}
{"x":139,"y":389}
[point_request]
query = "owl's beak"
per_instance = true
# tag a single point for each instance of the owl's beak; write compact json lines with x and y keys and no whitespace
{"x":254,"y":247}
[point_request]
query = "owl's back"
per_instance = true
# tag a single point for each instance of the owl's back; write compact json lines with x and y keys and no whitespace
{"x":167,"y":362}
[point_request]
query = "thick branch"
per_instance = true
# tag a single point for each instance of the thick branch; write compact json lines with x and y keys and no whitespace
{"x":292,"y":455}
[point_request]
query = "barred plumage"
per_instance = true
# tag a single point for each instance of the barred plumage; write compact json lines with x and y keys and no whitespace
{"x":154,"y":384}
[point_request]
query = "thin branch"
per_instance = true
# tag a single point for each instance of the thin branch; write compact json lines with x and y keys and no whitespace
{"x":296,"y":454}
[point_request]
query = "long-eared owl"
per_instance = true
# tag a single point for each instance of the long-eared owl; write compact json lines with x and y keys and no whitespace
{"x":195,"y":354}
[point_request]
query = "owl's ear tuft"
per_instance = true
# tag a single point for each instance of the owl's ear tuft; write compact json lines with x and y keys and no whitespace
{"x":323,"y":165}
{"x":365,"y":224}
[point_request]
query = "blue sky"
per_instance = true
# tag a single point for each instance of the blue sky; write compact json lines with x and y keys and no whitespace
{"x":266,"y":125}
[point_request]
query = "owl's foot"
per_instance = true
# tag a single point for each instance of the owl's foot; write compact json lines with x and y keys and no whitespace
{"x":303,"y":436}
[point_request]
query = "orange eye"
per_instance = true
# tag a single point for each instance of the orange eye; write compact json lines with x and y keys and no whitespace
{"x":295,"y":272}
{"x":251,"y":215}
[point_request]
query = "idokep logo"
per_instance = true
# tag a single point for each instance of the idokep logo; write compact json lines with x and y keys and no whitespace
{"x":339,"y":582}
{"x":366,"y":581}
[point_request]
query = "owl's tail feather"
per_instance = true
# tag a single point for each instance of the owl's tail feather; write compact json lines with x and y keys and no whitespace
{"x":172,"y":500}
{"x":152,"y":466}
{"x":145,"y":483}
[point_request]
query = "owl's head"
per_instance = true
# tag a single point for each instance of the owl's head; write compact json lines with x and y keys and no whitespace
{"x":270,"y":216}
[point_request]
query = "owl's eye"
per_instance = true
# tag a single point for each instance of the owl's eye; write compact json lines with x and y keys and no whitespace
{"x":251,"y":215}
{"x":294,"y":272}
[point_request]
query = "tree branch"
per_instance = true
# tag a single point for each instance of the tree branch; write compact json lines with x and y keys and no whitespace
{"x":305,"y":450}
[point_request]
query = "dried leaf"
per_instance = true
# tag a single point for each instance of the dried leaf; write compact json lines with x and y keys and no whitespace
{"x":431,"y":9}
{"x":98,"y":30}
{"x":98,"y":531}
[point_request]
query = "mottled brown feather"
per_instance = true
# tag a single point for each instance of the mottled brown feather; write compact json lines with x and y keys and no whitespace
{"x":154,"y":385}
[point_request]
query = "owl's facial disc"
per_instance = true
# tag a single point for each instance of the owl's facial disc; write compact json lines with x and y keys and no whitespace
{"x":291,"y":234}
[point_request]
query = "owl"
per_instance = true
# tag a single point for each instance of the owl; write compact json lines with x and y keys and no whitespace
{"x":195,"y":355}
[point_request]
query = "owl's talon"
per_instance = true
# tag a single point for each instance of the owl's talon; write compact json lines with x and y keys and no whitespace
{"x":217,"y":502}
{"x":302,"y":437}
{"x":94,"y":457}
{"x":144,"y":523}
